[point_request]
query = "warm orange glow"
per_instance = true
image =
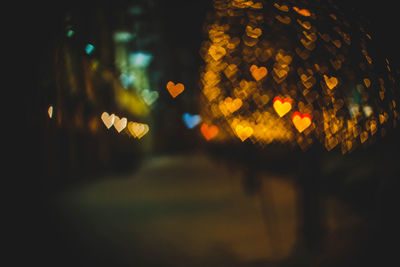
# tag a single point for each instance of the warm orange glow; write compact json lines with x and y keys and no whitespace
{"x":175,"y":90}
{"x":283,"y":8}
{"x":138,"y":130}
{"x":253,"y":32}
{"x":303,"y":12}
{"x":301,"y":121}
{"x":331,"y":82}
{"x":217,"y":52}
{"x":291,"y":55}
{"x":258,"y":72}
{"x":282,"y":106}
{"x":243,"y":132}
{"x":209,"y":132}
{"x":230,"y":105}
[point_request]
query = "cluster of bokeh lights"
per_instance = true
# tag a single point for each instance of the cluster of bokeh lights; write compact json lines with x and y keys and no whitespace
{"x":279,"y":72}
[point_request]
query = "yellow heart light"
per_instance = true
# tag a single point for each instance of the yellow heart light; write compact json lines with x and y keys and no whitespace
{"x":216,"y":52}
{"x":331,"y":82}
{"x":258,"y":72}
{"x":138,"y":130}
{"x":107,"y":119}
{"x":282,"y":107}
{"x":233,"y":104}
{"x":243,"y":132}
{"x":120,"y":124}
{"x":301,"y":121}
{"x":253,"y":32}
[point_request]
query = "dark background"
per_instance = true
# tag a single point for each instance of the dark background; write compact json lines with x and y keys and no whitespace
{"x":35,"y":232}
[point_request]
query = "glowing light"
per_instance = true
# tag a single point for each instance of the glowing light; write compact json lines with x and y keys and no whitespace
{"x":209,"y":132}
{"x":126,"y":80}
{"x":107,"y":119}
{"x":149,"y":96}
{"x":50,"y":111}
{"x":175,"y":90}
{"x":217,"y":52}
{"x":89,"y":49}
{"x":301,"y":121}
{"x":303,"y":12}
{"x":258,"y":72}
{"x":230,"y":105}
{"x":119,"y":124}
{"x":282,"y":107}
{"x":190,"y":120}
{"x":367,"y":111}
{"x":243,"y":132}
{"x":331,"y":82}
{"x":70,"y":33}
{"x":122,"y":36}
{"x":138,"y":130}
{"x":140,"y":59}
{"x":307,"y":63}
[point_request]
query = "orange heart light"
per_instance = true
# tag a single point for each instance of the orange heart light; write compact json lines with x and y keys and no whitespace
{"x":258,"y":72}
{"x":304,"y":12}
{"x":209,"y":132}
{"x":331,"y":82}
{"x":253,"y":32}
{"x":243,"y":132}
{"x":282,"y":107}
{"x":217,"y":52}
{"x":175,"y":90}
{"x":301,"y":121}
{"x":107,"y":119}
{"x":233,"y":104}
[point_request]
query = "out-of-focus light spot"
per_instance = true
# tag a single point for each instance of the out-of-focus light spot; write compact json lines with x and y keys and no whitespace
{"x":301,"y":121}
{"x":135,"y":10}
{"x":230,"y":105}
{"x":93,"y":124}
{"x":191,"y":120}
{"x":138,"y":130}
{"x":50,"y":111}
{"x":119,"y":124}
{"x":283,"y":8}
{"x":209,"y":132}
{"x":126,"y":80}
{"x":89,"y":49}
{"x":70,"y":33}
{"x":243,"y":132}
{"x":258,"y":72}
{"x":331,"y":82}
{"x":217,"y":52}
{"x":149,"y":96}
{"x":175,"y":89}
{"x":107,"y":119}
{"x":253,"y":32}
{"x":367,"y":110}
{"x":122,"y":36}
{"x":140,"y":59}
{"x":303,"y":12}
{"x":282,"y":106}
{"x":354,"y":110}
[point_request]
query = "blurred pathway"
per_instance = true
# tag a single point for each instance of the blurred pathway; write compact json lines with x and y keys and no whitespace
{"x":174,"y":211}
